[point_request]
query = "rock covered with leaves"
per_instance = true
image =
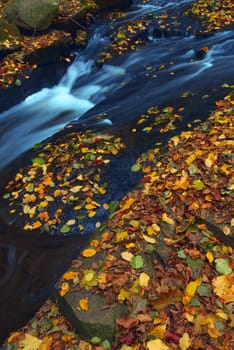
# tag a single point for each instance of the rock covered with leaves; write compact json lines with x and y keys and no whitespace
{"x":164,"y":254}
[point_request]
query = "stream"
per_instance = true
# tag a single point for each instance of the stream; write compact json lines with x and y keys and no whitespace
{"x":170,"y":69}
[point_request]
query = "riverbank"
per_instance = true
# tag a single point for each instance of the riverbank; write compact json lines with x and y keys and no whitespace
{"x":166,"y":254}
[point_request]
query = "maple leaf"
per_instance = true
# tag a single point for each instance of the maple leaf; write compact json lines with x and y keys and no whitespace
{"x":30,"y":342}
{"x":224,"y":287}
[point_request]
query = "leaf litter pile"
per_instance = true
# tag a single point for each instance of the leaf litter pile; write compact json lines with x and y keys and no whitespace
{"x":168,"y":252}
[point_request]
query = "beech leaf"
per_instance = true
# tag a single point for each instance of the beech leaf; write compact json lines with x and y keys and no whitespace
{"x":222,"y":266}
{"x":137,"y":262}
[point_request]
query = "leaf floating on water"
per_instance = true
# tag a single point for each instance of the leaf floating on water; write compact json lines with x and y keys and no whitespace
{"x":136,"y":167}
{"x":65,"y":229}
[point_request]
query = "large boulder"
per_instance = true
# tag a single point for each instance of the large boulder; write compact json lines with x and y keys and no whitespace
{"x":31,"y":14}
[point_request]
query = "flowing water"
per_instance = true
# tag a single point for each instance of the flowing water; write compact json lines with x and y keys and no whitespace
{"x":121,"y":90}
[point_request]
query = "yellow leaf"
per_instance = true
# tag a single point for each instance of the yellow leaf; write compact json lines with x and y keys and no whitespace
{"x":71,"y":222}
{"x":87,"y":253}
{"x":91,"y":214}
{"x":191,"y":289}
{"x":190,"y":159}
{"x":134,"y":223}
{"x":184,"y":342}
{"x":127,"y":256}
{"x":224,"y":287}
{"x":84,"y":304}
{"x":149,"y":239}
{"x":123,"y":294}
{"x":30,"y":342}
{"x":158,"y":331}
{"x":120,"y":236}
{"x":128,"y":203}
{"x":167,"y":219}
{"x":156,"y":228}
{"x":64,"y":289}
{"x":144,"y":279}
{"x":156,"y":344}
{"x":181,"y":183}
{"x":210,"y":257}
{"x":90,"y":206}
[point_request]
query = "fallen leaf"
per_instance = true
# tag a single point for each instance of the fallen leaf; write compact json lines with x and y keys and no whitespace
{"x":156,"y":344}
{"x":185,"y":342}
{"x":30,"y":342}
{"x":87,"y":253}
{"x":84,"y":304}
{"x":144,"y":279}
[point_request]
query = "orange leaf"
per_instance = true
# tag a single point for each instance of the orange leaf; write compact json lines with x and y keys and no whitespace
{"x":87,"y":253}
{"x":84,"y":304}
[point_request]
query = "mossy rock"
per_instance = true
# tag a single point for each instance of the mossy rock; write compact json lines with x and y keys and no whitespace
{"x":31,"y":14}
{"x":10,"y":36}
{"x":98,"y":321}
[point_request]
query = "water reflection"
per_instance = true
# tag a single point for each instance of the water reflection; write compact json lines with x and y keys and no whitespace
{"x":30,"y":264}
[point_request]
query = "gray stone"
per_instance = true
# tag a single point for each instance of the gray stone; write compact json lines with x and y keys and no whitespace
{"x":98,"y":321}
{"x":31,"y":14}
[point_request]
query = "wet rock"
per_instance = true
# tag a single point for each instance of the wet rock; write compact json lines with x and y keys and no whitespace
{"x":50,"y":53}
{"x":31,"y":14}
{"x":97,"y":321}
{"x":116,"y":4}
{"x":71,"y":19}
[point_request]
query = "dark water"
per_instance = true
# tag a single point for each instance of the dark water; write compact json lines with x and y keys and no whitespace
{"x":121,"y":89}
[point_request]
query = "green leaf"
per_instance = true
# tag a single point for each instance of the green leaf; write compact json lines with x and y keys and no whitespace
{"x":198,"y":185}
{"x":45,"y":324}
{"x":192,"y":170}
{"x":113,"y":205}
{"x":181,"y":254}
{"x":136,"y":167}
{"x":222,"y":266}
{"x":194,"y":302}
{"x":204,"y":290}
{"x":65,"y":229}
{"x":105,"y":344}
{"x":38,"y":160}
{"x":37,"y":146}
{"x":6,"y":195}
{"x":95,"y":340}
{"x":137,"y":262}
{"x":196,"y":264}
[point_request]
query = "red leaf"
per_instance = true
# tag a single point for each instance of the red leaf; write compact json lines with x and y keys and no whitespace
{"x":172,"y":336}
